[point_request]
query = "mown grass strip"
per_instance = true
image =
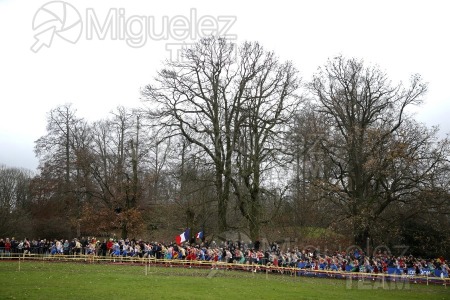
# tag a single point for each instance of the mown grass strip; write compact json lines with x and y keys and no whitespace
{"x":53,"y":280}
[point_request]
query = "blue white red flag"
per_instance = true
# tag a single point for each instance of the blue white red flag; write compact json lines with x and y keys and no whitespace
{"x":199,"y":235}
{"x":182,"y":237}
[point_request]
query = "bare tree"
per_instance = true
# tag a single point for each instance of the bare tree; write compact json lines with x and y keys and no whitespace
{"x":57,"y":146}
{"x":214,"y":93}
{"x":14,"y":199}
{"x":267,"y":111}
{"x":310,"y":166}
{"x":376,"y":163}
{"x":115,"y":165}
{"x":200,"y":100}
{"x":62,"y":154}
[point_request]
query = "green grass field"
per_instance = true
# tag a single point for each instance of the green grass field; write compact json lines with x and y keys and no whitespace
{"x":63,"y":280}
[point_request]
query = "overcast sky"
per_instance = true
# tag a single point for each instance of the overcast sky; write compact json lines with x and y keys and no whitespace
{"x":97,"y":75}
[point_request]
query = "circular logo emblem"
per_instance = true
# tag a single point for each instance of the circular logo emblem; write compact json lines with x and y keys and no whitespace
{"x":56,"y":18}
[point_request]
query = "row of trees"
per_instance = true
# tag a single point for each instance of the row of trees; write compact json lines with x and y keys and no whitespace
{"x":229,"y":138}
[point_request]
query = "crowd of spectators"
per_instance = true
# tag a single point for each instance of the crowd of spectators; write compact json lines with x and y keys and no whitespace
{"x":234,"y":252}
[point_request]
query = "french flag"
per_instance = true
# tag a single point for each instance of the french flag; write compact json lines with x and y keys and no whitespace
{"x":199,"y":235}
{"x":182,"y":237}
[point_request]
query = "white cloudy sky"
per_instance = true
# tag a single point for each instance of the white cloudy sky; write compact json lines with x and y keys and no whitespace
{"x":402,"y":37}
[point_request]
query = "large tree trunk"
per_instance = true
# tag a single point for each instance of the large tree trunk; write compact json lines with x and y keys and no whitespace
{"x":223,"y":203}
{"x":255,"y":219}
{"x":361,"y":234}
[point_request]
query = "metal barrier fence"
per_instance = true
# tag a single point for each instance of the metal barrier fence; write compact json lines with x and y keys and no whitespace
{"x":268,"y":269}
